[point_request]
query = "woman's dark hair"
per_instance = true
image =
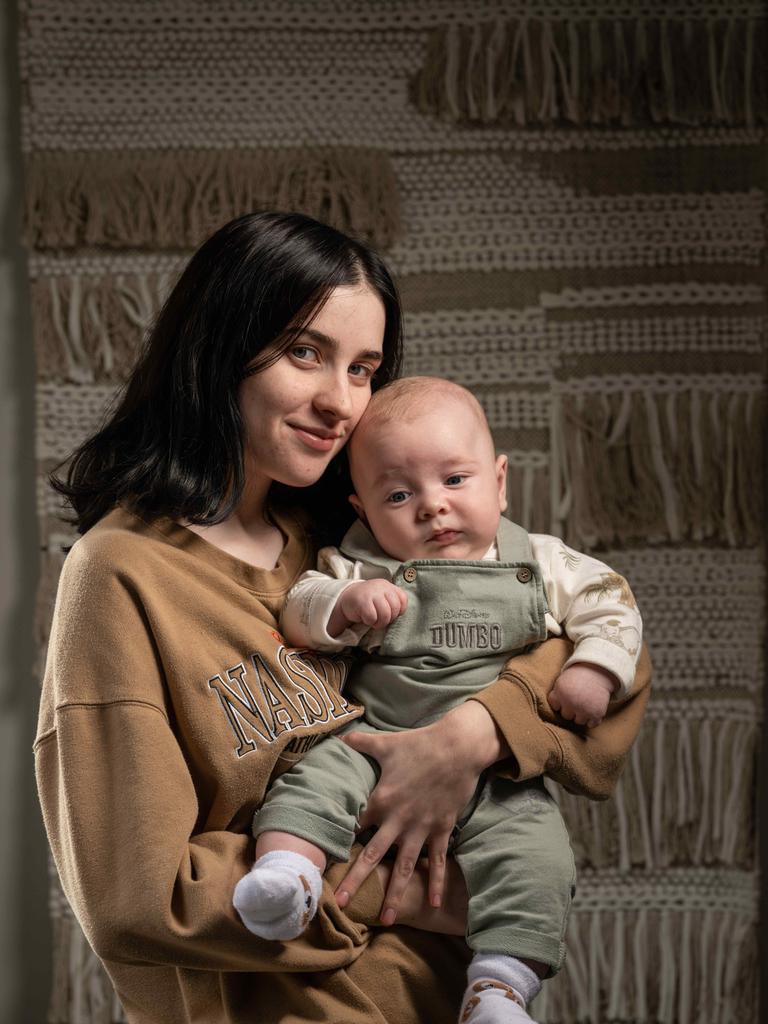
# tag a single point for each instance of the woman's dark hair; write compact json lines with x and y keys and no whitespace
{"x":173,"y":440}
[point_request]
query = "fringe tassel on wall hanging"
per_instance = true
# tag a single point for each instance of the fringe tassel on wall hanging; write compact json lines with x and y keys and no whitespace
{"x":174,"y":200}
{"x":654,"y":966}
{"x":580,"y":71}
{"x":646,"y":464}
{"x":89,"y":329}
{"x":528,"y":490}
{"x":685,"y":797}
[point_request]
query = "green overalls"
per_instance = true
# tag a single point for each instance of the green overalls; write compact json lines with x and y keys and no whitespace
{"x":463,"y":621}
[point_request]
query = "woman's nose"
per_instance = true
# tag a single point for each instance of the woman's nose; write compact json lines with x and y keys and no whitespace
{"x":334,"y":398}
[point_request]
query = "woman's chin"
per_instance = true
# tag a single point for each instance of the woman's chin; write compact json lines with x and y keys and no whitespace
{"x":301,"y":476}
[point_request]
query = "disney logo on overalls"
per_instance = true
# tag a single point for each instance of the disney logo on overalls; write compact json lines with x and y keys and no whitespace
{"x":465,"y":613}
{"x":482,"y":636}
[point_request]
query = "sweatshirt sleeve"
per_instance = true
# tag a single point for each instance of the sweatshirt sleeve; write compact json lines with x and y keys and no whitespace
{"x":586,"y":762}
{"x":595,"y":608}
{"x":311,"y":600}
{"x":147,"y":885}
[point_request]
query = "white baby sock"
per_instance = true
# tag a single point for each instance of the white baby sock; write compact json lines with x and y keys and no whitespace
{"x":278,"y":897}
{"x":498,"y":990}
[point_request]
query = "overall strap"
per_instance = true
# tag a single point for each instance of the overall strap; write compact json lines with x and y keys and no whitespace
{"x":513,"y":542}
{"x":360,"y":545}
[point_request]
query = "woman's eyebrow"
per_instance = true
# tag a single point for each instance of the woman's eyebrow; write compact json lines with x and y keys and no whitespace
{"x":331,"y":342}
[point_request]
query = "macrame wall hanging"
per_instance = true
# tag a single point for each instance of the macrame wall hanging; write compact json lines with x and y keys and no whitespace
{"x":573,"y":198}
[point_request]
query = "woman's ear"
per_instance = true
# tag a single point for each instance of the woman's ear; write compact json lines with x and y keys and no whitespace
{"x":501,"y":479}
{"x":357,"y":505}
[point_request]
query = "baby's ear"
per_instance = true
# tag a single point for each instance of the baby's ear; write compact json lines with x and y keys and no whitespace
{"x":501,"y":480}
{"x":357,"y":505}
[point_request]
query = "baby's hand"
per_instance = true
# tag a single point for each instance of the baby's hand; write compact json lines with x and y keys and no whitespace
{"x":581,"y":693}
{"x":375,"y":603}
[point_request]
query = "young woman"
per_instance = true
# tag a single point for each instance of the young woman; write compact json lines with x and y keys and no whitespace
{"x":170,"y":699}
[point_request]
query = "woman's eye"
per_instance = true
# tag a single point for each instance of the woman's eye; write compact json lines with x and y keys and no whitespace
{"x":398,"y":497}
{"x":305,"y":353}
{"x":361,"y":370}
{"x":456,"y":478}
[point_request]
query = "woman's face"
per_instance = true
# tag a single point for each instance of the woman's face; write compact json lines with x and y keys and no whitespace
{"x":300,"y":411}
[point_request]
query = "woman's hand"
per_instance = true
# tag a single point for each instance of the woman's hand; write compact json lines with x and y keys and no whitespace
{"x":450,"y":918}
{"x":427,"y":777}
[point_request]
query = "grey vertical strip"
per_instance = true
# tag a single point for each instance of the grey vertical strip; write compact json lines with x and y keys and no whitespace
{"x":25,"y":939}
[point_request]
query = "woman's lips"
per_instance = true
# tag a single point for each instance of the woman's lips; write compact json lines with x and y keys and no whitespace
{"x":317,"y":442}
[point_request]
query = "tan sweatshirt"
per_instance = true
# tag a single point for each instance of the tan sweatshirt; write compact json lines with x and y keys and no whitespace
{"x":169,"y":700}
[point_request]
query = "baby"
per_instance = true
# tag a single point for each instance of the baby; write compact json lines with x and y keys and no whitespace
{"x":441,"y":591}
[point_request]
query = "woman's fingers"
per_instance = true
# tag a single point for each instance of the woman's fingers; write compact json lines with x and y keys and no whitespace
{"x":405,"y":862}
{"x":408,"y":805}
{"x":364,"y":742}
{"x":438,"y":855}
{"x":370,"y":855}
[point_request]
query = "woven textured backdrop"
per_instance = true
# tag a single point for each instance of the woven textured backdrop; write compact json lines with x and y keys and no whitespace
{"x":573,"y":198}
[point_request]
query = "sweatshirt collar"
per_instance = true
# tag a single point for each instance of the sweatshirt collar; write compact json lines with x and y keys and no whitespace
{"x":267,"y":582}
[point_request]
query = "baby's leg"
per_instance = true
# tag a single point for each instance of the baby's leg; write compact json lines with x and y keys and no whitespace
{"x":517,"y":862}
{"x":499,"y":989}
{"x":269,"y":842}
{"x":309,"y":815}
{"x":278,"y":897}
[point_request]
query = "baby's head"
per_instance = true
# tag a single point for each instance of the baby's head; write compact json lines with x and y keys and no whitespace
{"x":428,"y":483}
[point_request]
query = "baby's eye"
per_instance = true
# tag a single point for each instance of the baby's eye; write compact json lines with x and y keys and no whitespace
{"x":398,"y":497}
{"x":456,"y":478}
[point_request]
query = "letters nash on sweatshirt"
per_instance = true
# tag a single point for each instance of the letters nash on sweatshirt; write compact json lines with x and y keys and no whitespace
{"x":261,"y":703}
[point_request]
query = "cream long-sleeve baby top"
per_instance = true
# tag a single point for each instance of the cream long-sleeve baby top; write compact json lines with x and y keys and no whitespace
{"x":588,"y":602}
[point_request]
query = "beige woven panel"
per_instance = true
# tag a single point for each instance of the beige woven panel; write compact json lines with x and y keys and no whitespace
{"x":574,"y":203}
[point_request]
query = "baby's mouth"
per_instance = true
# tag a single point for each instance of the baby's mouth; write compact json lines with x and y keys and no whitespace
{"x":441,"y":537}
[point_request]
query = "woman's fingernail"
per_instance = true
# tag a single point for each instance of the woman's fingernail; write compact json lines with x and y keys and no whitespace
{"x":342,"y":898}
{"x":436,"y":899}
{"x":388,"y":917}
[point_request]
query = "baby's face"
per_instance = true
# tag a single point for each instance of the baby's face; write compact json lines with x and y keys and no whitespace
{"x":430,"y":486}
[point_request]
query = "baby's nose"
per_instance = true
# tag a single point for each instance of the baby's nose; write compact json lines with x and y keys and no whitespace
{"x":431,"y":506}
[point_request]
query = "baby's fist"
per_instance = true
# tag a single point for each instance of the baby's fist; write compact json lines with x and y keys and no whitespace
{"x":375,"y":603}
{"x":581,"y":693}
